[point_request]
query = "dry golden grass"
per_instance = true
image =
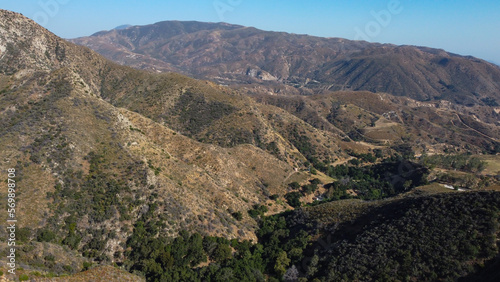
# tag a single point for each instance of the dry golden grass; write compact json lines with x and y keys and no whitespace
{"x":32,"y":195}
{"x":203,"y":177}
{"x":493,"y":188}
{"x":492,"y":164}
{"x":340,"y":211}
{"x":434,"y":188}
{"x":390,"y":133}
{"x":357,"y":147}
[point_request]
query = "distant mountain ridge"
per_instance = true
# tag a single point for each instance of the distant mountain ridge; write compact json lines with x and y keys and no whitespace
{"x":124,"y":26}
{"x":232,"y":54}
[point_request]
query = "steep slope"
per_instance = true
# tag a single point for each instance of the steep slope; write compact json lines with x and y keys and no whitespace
{"x":234,"y":54}
{"x":418,"y":237}
{"x":92,"y":146}
{"x":202,"y":110}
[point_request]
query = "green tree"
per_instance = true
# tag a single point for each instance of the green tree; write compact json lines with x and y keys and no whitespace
{"x":166,"y":260}
{"x":24,"y":234}
{"x":282,"y":262}
{"x":312,"y":268}
{"x":45,"y":236}
{"x":222,"y":253}
{"x":293,"y":199}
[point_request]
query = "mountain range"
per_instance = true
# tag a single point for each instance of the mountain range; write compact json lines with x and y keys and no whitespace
{"x":262,"y":63}
{"x":129,"y":164}
{"x":233,"y":54}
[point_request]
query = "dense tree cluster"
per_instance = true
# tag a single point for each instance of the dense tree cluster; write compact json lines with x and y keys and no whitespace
{"x":428,"y":238}
{"x":192,"y":257}
{"x":293,"y":199}
{"x":375,"y":181}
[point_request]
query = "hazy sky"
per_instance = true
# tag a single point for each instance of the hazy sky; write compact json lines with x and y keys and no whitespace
{"x":465,"y":27}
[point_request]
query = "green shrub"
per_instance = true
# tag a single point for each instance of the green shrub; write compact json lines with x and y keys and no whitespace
{"x":293,"y":199}
{"x":258,"y":210}
{"x":68,"y":268}
{"x":294,"y":185}
{"x":45,"y":235}
{"x":87,"y":265}
{"x":24,"y":234}
{"x":222,"y":253}
{"x":237,"y":215}
{"x":274,"y":197}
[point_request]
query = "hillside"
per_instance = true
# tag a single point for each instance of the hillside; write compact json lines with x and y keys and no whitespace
{"x":100,"y":273}
{"x":431,"y":237}
{"x":174,"y":178}
{"x":424,"y":238}
{"x":291,"y":63}
{"x":383,"y":120}
{"x":71,"y":127}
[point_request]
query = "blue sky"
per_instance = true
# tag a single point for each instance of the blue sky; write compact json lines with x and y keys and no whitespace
{"x":459,"y":26}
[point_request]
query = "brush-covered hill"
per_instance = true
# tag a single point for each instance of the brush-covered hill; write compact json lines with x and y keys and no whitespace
{"x":433,"y":237}
{"x":289,"y":63}
{"x":450,"y":236}
{"x":97,"y":146}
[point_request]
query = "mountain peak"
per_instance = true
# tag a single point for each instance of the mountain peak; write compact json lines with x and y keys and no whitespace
{"x":25,"y":44}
